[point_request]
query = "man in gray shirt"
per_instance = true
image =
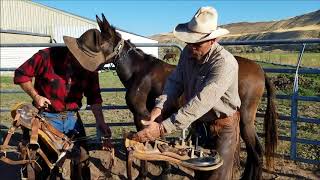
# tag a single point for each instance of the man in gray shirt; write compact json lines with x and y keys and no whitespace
{"x":207,"y":74}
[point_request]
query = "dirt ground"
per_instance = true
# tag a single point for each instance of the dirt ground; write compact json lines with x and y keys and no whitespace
{"x":100,"y":168}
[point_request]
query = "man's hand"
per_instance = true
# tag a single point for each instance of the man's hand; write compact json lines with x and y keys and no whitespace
{"x":155,"y":113}
{"x":104,"y":128}
{"x":41,"y":101}
{"x":150,"y":133}
{"x":106,"y":135}
{"x":101,"y":125}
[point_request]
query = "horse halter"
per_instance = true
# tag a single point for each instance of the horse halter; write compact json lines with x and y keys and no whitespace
{"x":124,"y":54}
{"x":116,"y":51}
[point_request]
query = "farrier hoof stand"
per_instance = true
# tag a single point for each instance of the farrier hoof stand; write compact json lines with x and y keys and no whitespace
{"x":177,"y":154}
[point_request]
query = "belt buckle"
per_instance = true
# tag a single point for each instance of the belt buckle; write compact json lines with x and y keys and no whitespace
{"x":63,"y":115}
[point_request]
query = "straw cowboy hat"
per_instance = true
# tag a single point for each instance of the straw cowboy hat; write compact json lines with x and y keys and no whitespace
{"x":202,"y":27}
{"x":87,"y":49}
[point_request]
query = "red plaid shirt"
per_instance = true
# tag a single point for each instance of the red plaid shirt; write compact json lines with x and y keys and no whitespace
{"x":60,"y":78}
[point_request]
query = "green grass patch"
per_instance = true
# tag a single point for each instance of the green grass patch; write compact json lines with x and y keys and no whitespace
{"x":308,"y":59}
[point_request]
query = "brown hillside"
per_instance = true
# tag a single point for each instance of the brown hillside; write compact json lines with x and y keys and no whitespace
{"x":166,"y":38}
{"x":300,"y":27}
{"x":310,"y":20}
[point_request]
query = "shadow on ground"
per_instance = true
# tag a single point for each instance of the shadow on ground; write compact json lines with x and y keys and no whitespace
{"x":101,"y":168}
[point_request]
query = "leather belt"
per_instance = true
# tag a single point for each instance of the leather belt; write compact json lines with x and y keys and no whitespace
{"x":63,"y":115}
{"x":221,"y":122}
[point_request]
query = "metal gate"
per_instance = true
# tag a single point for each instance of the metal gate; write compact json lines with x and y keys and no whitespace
{"x":295,"y":98}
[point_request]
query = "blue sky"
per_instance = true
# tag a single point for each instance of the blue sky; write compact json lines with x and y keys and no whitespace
{"x":153,"y":17}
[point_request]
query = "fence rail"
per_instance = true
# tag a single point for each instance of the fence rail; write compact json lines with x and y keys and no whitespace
{"x":293,"y":118}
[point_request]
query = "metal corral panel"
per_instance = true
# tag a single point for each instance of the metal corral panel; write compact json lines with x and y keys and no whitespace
{"x":13,"y":57}
{"x":14,"y":38}
{"x":28,"y":16}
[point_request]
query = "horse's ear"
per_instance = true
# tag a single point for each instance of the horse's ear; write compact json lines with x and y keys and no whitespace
{"x":105,"y":22}
{"x":104,"y":25}
{"x":99,"y":23}
{"x":104,"y":19}
{"x":107,"y":25}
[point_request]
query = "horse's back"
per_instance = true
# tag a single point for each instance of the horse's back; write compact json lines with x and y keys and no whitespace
{"x":248,"y":67}
{"x":159,"y":73}
{"x":251,"y":78}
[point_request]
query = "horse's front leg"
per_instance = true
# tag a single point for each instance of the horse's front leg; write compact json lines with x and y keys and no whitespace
{"x":139,"y":113}
{"x":136,"y":98}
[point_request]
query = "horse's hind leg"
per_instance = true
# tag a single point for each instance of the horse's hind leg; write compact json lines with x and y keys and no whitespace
{"x":253,"y":167}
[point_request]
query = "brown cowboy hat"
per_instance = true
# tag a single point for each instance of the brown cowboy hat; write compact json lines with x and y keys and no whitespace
{"x":202,"y":27}
{"x":86,"y":49}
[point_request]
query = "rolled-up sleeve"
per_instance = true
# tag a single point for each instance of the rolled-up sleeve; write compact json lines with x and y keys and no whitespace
{"x":216,"y":84}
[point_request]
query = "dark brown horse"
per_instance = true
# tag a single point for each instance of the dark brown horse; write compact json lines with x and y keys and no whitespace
{"x":144,"y":77}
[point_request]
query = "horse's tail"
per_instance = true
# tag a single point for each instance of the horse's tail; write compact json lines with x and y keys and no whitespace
{"x":270,"y":124}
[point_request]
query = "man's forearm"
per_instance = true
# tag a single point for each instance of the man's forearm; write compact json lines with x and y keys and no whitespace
{"x":102,"y":128}
{"x":97,"y":112}
{"x":29,"y":89}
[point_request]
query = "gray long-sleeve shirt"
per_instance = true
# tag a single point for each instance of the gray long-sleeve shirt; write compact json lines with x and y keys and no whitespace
{"x":210,"y":87}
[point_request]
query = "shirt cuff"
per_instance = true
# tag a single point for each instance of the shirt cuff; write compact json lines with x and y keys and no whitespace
{"x":169,"y":126}
{"x":21,"y":79}
{"x":160,"y":101}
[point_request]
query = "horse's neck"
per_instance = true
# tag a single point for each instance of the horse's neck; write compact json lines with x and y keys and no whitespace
{"x":124,"y":71}
{"x":125,"y":67}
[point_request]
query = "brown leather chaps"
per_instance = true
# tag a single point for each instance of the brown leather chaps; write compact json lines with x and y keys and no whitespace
{"x":224,"y":136}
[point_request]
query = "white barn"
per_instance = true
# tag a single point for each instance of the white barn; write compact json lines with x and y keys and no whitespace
{"x":23,"y":21}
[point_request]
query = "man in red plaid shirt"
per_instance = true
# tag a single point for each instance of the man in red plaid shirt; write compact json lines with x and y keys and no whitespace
{"x":62,"y":76}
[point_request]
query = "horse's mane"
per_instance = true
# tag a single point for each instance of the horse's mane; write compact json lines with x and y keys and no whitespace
{"x":117,"y":33}
{"x":147,"y":57}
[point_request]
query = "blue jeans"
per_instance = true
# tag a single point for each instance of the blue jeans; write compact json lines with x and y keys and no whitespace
{"x":65,"y":123}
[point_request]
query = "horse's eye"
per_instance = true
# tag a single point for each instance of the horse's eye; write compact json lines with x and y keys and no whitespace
{"x":104,"y":46}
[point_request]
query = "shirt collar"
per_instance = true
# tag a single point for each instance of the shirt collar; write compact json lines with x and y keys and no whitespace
{"x":215,"y":47}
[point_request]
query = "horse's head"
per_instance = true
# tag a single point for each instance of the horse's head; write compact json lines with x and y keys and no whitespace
{"x":93,"y":48}
{"x":112,"y":43}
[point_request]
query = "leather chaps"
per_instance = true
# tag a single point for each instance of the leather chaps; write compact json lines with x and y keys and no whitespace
{"x":223,"y":136}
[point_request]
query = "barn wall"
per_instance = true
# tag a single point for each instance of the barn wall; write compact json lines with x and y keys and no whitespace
{"x":31,"y":17}
{"x":12,"y":57}
{"x":52,"y":24}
